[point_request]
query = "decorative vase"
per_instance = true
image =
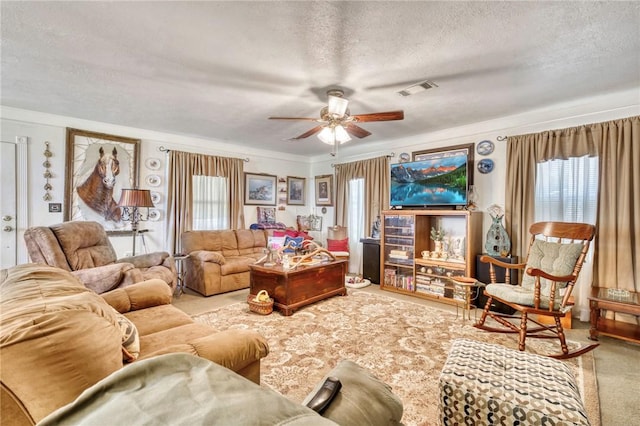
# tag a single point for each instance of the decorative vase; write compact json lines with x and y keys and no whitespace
{"x":438,"y":248}
{"x":498,"y":242}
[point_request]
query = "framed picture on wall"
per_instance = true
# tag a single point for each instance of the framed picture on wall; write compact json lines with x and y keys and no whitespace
{"x":440,"y":155}
{"x":260,"y":189}
{"x":295,"y":191}
{"x":324,"y":190}
{"x":98,"y":167}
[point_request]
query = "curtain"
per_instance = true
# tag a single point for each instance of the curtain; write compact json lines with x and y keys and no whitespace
{"x":184,"y":165}
{"x":617,"y":146}
{"x":375,"y":173}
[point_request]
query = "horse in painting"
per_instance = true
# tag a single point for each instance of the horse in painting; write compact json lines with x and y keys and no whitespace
{"x":97,"y":190}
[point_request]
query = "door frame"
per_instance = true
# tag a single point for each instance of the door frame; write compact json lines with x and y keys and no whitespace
{"x":22,"y":195}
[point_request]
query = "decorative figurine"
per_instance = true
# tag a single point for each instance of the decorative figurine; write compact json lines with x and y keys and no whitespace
{"x":375,"y":229}
{"x":498,"y":242}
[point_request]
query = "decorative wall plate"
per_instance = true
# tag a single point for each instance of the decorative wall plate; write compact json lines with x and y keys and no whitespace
{"x":153,"y":163}
{"x":156,"y":197}
{"x":485,"y":147}
{"x":154,"y":214}
{"x":154,"y":180}
{"x":485,"y":166}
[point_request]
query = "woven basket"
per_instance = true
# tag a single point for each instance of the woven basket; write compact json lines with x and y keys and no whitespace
{"x":262,"y":308}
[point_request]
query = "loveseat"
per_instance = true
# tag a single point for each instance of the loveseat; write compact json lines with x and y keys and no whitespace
{"x":58,"y":338}
{"x":83,"y":247}
{"x":218,"y":261}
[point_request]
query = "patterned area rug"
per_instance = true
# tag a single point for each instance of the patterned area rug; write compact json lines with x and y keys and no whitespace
{"x":404,"y":344}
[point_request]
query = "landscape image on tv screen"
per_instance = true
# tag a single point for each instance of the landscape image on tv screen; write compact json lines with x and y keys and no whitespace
{"x":438,"y":181}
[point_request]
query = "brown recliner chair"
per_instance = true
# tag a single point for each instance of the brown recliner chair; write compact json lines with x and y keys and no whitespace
{"x":84,"y":249}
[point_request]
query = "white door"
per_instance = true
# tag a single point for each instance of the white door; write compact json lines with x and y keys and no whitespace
{"x":8,"y":233}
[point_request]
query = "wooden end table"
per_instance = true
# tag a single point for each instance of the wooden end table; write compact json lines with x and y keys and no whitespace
{"x":614,"y":300}
{"x":293,"y":288}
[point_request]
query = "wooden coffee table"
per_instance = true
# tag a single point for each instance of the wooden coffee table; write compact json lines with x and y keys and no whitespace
{"x":291,"y":289}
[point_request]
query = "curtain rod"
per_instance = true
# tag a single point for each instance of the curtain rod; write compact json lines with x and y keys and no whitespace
{"x":393,"y":154}
{"x":501,"y":138}
{"x":163,"y":149}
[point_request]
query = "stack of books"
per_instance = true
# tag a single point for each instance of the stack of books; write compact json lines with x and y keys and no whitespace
{"x":399,"y":254}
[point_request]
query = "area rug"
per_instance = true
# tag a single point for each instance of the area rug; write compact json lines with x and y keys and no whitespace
{"x":405,"y":344}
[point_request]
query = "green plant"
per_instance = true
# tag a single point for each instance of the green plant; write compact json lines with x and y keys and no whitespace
{"x":437,"y":234}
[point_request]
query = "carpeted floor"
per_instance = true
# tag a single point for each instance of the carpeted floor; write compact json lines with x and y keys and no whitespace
{"x":405,"y":344}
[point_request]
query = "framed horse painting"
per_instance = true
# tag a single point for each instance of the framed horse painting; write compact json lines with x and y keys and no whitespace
{"x":98,"y":167}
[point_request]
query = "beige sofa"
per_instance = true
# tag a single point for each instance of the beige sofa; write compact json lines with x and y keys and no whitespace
{"x":218,"y":261}
{"x":58,"y":338}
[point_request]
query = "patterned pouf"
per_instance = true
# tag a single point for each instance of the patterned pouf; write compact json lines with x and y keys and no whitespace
{"x":486,"y":384}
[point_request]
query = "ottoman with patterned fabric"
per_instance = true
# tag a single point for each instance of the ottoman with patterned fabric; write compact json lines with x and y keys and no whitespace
{"x":486,"y":384}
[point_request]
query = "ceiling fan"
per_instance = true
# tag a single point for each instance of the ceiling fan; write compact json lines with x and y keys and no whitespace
{"x":337,"y":125}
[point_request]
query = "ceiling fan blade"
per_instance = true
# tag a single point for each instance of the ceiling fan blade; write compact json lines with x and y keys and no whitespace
{"x":308,"y":133}
{"x":357,"y":131}
{"x":293,"y":118}
{"x":379,"y":116}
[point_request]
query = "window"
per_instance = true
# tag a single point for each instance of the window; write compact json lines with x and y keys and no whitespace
{"x":210,"y":203}
{"x":355,"y":222}
{"x":567,"y":191}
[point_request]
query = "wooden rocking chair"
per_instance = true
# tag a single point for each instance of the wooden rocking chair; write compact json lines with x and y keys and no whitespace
{"x":555,"y":256}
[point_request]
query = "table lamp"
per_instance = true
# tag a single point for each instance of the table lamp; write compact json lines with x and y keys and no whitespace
{"x":131,"y":201}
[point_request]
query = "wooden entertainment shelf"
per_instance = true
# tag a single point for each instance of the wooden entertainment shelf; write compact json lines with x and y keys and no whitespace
{"x":406,"y":234}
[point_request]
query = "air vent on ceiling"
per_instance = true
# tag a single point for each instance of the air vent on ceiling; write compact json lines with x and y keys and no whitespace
{"x":417,"y":88}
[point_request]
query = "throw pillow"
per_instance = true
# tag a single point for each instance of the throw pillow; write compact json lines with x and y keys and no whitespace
{"x":338,"y":245}
{"x":275,"y":242}
{"x":295,"y":243}
{"x":266,"y":214}
{"x":130,"y":338}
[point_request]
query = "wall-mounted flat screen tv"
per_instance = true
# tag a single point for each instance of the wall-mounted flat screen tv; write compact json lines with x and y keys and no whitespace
{"x":438,"y":179}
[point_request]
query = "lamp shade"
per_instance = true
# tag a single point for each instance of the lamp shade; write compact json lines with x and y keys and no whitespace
{"x":135,"y":198}
{"x":341,"y":134}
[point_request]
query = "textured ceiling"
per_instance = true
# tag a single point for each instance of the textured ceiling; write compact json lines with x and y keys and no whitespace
{"x":217,"y":70}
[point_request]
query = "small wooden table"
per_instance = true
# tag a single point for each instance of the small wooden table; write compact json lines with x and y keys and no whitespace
{"x":294,"y":288}
{"x":617,"y":301}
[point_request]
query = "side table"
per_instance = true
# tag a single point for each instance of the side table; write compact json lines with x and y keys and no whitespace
{"x":627,"y":302}
{"x":179,"y":258}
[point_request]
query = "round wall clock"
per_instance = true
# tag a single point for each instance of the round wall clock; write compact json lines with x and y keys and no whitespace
{"x":404,"y":157}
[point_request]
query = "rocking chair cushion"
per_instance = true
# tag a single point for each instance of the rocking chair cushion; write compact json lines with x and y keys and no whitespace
{"x":520,"y":295}
{"x":553,"y":258}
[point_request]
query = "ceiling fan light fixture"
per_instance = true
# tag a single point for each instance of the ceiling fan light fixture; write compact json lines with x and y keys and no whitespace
{"x":327,"y":136}
{"x":341,"y":134}
{"x":417,"y":88}
{"x":337,"y":106}
{"x":331,"y":135}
